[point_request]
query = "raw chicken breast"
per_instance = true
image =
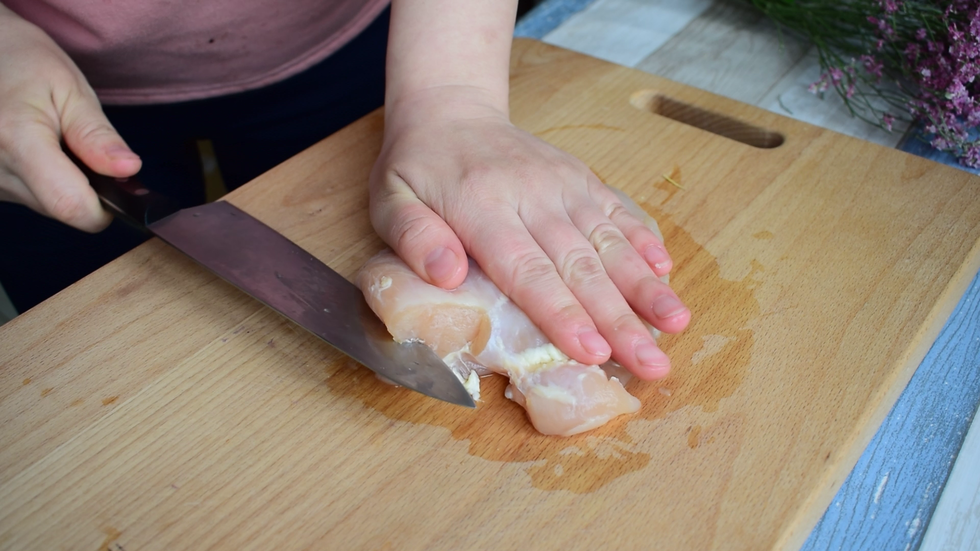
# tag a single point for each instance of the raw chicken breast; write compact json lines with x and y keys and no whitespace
{"x":476,"y":328}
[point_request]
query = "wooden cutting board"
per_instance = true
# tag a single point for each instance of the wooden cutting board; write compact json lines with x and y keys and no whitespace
{"x":153,"y":406}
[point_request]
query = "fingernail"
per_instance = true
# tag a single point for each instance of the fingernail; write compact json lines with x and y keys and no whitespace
{"x":593,"y":343}
{"x":117,"y":152}
{"x":649,"y":355}
{"x":441,"y":265}
{"x":657,"y":255}
{"x":666,"y":306}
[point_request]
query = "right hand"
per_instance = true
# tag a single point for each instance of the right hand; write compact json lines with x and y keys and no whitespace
{"x":44,"y":99}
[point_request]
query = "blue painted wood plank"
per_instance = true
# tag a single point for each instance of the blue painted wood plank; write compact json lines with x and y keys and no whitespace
{"x":889,"y":497}
{"x":547,"y":16}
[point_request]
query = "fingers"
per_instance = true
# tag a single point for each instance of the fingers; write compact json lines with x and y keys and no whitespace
{"x":418,"y":235}
{"x":601,"y":266}
{"x":635,"y":225}
{"x":580,"y":263}
{"x":43,"y":178}
{"x":642,"y":240}
{"x":647,"y":294}
{"x":517,"y":264}
{"x":35,"y":171}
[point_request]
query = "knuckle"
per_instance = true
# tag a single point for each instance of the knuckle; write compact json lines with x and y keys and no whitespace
{"x":479,"y":177}
{"x":13,"y":136}
{"x":649,"y":287}
{"x":531,"y":270}
{"x":618,"y":211}
{"x":626,"y":321}
{"x":581,"y":267}
{"x":69,"y":207}
{"x":91,"y":130}
{"x":565,"y":314}
{"x":605,"y":237}
{"x":13,"y":188}
{"x":534,"y":273}
{"x":411,"y":227}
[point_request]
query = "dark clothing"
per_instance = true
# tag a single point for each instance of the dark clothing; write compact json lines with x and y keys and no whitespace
{"x":251,"y":132}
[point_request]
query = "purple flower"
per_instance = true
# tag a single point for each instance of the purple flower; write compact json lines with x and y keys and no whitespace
{"x":872,"y":66}
{"x":971,"y":157}
{"x":887,"y":120}
{"x":890,"y":6}
{"x":933,"y":59}
{"x":940,"y":143}
{"x":836,"y":75}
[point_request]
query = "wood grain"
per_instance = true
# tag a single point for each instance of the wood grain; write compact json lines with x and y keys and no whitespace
{"x":819,"y":273}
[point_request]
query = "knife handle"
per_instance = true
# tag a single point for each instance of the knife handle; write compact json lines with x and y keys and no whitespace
{"x":127,"y":198}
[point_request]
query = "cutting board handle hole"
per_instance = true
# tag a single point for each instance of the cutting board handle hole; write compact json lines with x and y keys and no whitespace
{"x":722,"y":125}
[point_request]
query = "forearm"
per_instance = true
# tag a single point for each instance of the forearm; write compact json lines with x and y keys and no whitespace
{"x":456,"y":52}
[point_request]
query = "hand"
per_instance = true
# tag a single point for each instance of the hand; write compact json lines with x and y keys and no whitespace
{"x":44,"y":98}
{"x":456,"y":177}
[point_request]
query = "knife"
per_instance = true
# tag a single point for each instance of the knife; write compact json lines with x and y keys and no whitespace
{"x":262,"y":262}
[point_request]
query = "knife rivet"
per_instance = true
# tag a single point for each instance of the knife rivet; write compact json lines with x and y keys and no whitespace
{"x":327,"y":310}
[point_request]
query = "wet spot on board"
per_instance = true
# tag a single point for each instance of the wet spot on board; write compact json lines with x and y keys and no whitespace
{"x":109,"y":400}
{"x":693,"y":437}
{"x":754,"y":279}
{"x":764,"y":234}
{"x":46,"y":391}
{"x":498,"y":430}
{"x":713,"y":344}
{"x":111,"y":535}
{"x":27,"y":381}
{"x":76,"y":403}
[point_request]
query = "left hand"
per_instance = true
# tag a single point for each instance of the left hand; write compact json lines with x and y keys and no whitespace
{"x":456,"y":177}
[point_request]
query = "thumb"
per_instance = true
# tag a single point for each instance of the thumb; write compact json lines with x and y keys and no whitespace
{"x":91,"y":137}
{"x":418,"y":235}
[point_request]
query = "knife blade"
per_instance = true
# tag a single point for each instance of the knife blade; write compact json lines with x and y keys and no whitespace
{"x":266,"y":265}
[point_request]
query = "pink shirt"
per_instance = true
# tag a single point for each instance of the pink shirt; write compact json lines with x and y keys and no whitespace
{"x":155,"y":51}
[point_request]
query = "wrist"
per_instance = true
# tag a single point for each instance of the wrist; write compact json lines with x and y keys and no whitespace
{"x":444,"y":104}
